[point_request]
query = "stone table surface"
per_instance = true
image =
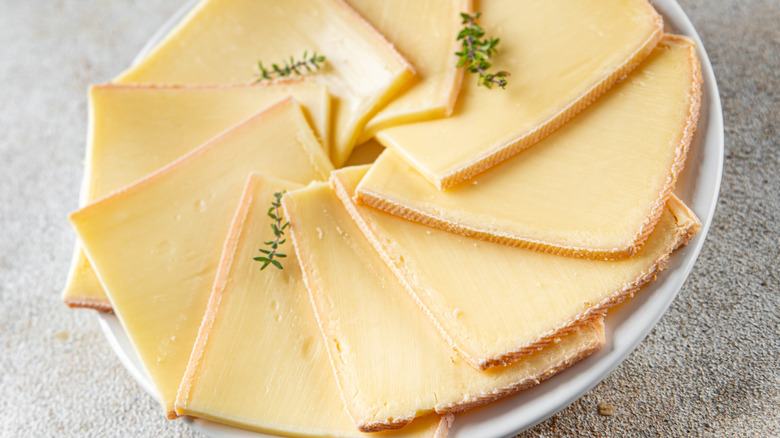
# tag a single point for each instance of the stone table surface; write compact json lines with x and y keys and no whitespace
{"x":709,"y":368}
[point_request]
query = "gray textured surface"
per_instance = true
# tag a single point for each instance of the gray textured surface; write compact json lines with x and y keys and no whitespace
{"x":709,"y":368}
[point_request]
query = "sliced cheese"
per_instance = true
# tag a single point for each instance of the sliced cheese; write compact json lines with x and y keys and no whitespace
{"x":259,"y":349}
{"x":426,"y":34}
{"x":221,"y":41}
{"x":82,"y":288}
{"x":390,"y":363}
{"x":594,"y":188}
{"x":155,"y":245}
{"x":365,"y":153}
{"x":496,"y":303}
{"x":561,"y":55}
{"x":135,"y":130}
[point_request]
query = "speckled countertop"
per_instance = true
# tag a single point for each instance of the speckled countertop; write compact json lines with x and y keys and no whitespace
{"x":709,"y":368}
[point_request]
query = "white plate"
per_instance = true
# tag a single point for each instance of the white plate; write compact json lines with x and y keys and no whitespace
{"x":627,"y":325}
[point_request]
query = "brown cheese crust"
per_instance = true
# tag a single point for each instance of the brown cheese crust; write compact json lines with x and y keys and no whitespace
{"x":401,"y":80}
{"x":444,"y":426}
{"x":88,"y":303}
{"x":596,"y":323}
{"x":312,"y":279}
{"x":681,"y":152}
{"x":454,"y":81}
{"x":145,"y":86}
{"x":102,"y":303}
{"x":687,"y":226}
{"x":372,"y":199}
{"x":313,"y":283}
{"x":223,"y":272}
{"x":502,"y":152}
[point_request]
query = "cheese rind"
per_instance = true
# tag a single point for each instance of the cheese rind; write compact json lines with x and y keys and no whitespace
{"x":426,"y":34}
{"x":135,"y":130}
{"x":494,"y":303}
{"x":83,"y":288}
{"x":389,"y":361}
{"x":259,"y":347}
{"x":155,"y":245}
{"x":221,"y":41}
{"x":562,"y":56}
{"x":595,"y":188}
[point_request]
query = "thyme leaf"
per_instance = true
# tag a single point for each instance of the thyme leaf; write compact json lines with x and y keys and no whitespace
{"x":291,"y":67}
{"x":270,"y":255}
{"x":476,"y":49}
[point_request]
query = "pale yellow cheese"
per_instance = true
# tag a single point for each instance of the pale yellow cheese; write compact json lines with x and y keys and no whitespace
{"x":82,"y":288}
{"x":365,"y":153}
{"x":259,"y":361}
{"x":425,"y":32}
{"x":135,"y":130}
{"x":496,"y":303}
{"x":561,"y":55}
{"x":221,"y":41}
{"x":389,"y":360}
{"x":155,"y":245}
{"x":594,"y":188}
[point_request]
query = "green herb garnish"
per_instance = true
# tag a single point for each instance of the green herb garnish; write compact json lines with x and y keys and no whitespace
{"x":291,"y":67}
{"x":476,"y":51}
{"x":271,"y":254}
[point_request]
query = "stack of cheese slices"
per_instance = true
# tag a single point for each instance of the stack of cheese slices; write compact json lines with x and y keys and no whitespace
{"x":474,"y":258}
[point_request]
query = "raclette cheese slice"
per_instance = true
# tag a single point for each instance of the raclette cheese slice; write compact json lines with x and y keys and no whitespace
{"x":221,"y":41}
{"x":365,"y":153}
{"x":495,"y":303}
{"x":561,"y":55}
{"x":135,"y":130}
{"x":426,"y":35}
{"x":155,"y":245}
{"x":390,"y":363}
{"x":595,"y":188}
{"x":259,"y":361}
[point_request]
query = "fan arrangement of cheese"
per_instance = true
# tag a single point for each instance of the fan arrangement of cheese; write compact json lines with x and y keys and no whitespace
{"x":474,"y":258}
{"x":614,"y":166}
{"x":137,"y":129}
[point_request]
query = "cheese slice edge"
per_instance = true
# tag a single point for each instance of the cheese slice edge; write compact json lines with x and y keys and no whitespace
{"x":234,"y":34}
{"x":489,"y":126}
{"x":259,"y":332}
{"x":115,"y":161}
{"x":425,"y":33}
{"x":155,"y":244}
{"x":604,"y":180}
{"x":482,"y":336}
{"x":390,"y":363}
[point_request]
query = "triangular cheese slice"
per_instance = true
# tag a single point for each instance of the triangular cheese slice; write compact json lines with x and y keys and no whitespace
{"x":495,"y":303}
{"x":389,"y":360}
{"x":135,"y":130}
{"x":561,"y":56}
{"x":595,"y":188}
{"x":259,"y":361}
{"x":426,"y":35}
{"x":155,"y":245}
{"x":221,"y":41}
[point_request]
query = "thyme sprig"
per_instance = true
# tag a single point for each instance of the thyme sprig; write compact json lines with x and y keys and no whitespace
{"x":306,"y":65}
{"x":476,"y":50}
{"x":270,"y":255}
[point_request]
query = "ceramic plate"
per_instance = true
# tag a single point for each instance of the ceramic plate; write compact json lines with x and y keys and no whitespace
{"x":627,"y":325}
